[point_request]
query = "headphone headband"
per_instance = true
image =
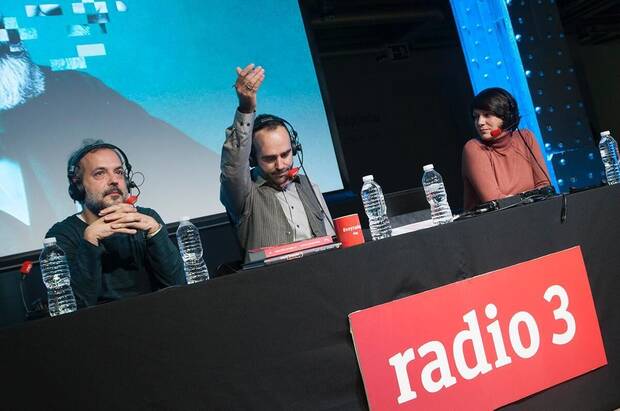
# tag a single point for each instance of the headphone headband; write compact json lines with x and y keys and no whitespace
{"x":73,"y":162}
{"x":509,"y":109}
{"x":513,"y":117}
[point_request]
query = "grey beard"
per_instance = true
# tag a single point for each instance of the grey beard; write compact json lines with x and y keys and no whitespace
{"x":20,"y":80}
{"x":93,"y":205}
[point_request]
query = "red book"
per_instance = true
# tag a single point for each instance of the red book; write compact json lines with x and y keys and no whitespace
{"x":291,"y":256}
{"x":260,"y":254}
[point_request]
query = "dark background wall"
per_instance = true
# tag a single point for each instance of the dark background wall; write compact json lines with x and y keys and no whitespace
{"x":394,"y":117}
{"x":599,"y":65}
{"x":398,"y":89}
{"x":592,"y":30}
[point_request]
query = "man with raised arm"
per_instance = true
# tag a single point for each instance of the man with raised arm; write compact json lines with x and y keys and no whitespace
{"x":267,"y":200}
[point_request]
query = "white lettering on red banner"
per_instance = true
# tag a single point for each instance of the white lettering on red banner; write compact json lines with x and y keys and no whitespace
{"x":483,"y":342}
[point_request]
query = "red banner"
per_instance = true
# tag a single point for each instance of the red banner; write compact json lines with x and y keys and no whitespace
{"x":483,"y":342}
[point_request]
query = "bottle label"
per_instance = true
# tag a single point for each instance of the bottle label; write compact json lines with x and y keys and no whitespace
{"x":435,"y":187}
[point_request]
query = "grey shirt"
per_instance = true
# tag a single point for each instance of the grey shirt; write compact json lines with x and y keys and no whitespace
{"x":238,"y":184}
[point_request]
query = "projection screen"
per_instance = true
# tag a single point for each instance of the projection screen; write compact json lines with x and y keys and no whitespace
{"x":154,"y":78}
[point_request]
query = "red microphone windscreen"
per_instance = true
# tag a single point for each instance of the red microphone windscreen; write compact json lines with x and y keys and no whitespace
{"x":26,"y":267}
{"x":131,"y":200}
{"x":496,"y":132}
{"x":293,"y":172}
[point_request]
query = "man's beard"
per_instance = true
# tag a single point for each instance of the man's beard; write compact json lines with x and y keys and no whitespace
{"x":20,"y":80}
{"x":95,"y":205}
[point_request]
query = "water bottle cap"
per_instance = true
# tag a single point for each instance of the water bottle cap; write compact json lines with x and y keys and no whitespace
{"x":49,"y":241}
{"x":428,"y":167}
{"x":184,"y":218}
{"x":368,"y":178}
{"x":605,"y":133}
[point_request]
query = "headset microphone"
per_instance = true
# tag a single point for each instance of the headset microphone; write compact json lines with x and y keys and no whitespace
{"x":132,"y":199}
{"x":292,"y":173}
{"x":500,"y":130}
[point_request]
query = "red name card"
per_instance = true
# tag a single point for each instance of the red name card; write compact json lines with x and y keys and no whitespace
{"x":483,"y":342}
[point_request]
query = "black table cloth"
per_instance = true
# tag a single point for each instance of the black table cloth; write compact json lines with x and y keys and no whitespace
{"x":278,"y":337}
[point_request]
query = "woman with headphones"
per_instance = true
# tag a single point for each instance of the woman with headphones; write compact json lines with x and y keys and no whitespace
{"x":503,"y":160}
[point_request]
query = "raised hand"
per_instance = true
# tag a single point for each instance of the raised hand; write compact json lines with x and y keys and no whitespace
{"x":249,"y":80}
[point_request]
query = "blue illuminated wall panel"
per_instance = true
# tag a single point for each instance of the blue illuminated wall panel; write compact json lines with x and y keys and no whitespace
{"x":553,"y":83}
{"x":504,"y":47}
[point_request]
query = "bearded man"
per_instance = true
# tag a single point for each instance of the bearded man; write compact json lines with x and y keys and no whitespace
{"x":114,"y":250}
{"x":45,"y":113}
{"x":268,"y":202}
{"x":20,"y":80}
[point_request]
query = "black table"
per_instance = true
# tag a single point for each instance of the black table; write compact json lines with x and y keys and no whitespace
{"x":278,"y":337}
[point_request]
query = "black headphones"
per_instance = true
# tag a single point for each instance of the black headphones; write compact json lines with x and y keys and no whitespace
{"x":511,"y":115}
{"x":264,"y":120}
{"x":76,"y":189}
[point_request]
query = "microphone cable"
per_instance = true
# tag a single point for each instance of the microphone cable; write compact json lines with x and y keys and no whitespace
{"x":534,"y":157}
{"x":37,"y":308}
{"x":564,"y":209}
{"x":514,"y":126}
{"x":301,"y":164}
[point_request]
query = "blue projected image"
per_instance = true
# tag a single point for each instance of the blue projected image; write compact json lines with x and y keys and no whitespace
{"x":154,"y":79}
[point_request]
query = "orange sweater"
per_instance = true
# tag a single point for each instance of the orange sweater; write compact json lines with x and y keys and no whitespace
{"x":501,"y":167}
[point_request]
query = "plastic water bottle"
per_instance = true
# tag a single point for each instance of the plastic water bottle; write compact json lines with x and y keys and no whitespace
{"x":188,"y":238}
{"x":374,"y":205}
{"x":57,"y":279}
{"x":436,"y":196}
{"x":609,"y":153}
